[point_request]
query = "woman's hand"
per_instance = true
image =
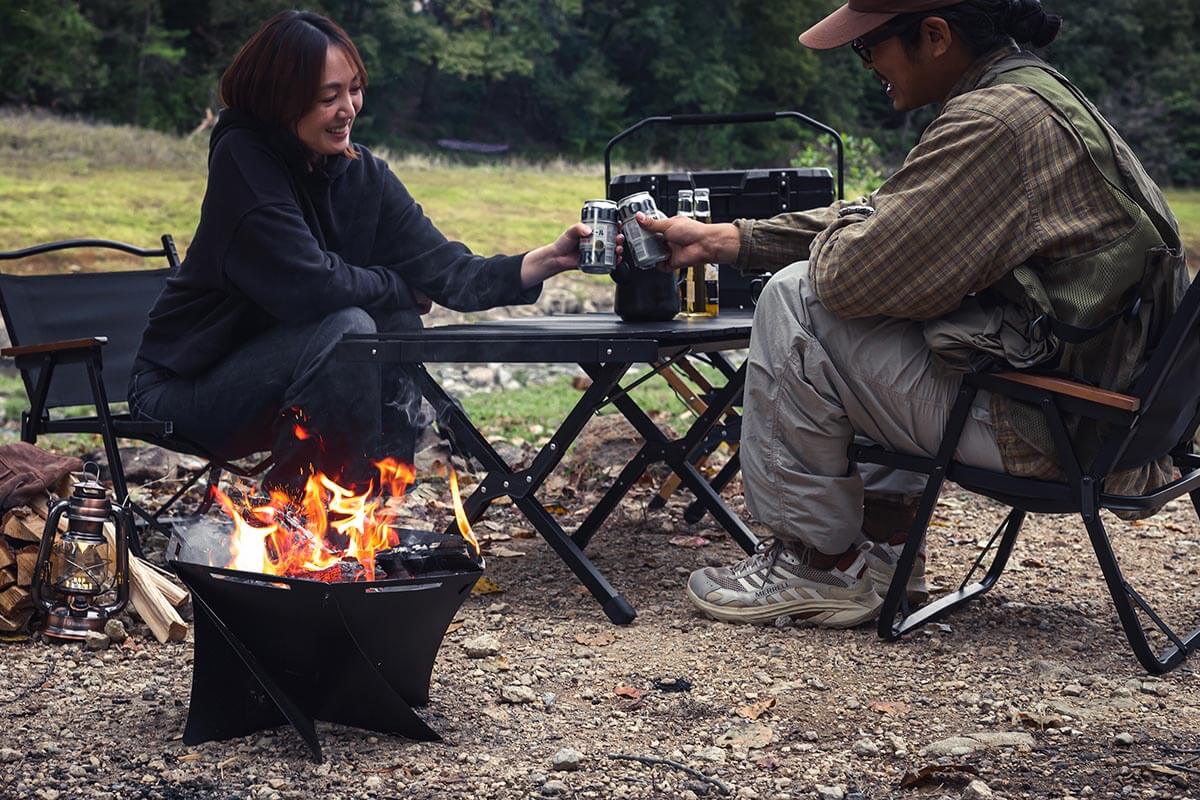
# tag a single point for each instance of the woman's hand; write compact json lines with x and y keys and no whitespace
{"x":693,"y":242}
{"x":559,"y":256}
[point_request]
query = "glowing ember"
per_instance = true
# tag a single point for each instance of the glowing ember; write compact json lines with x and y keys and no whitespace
{"x":320,"y":535}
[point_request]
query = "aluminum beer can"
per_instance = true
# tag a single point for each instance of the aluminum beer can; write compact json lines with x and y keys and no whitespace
{"x":598,"y":252}
{"x":645,"y":249}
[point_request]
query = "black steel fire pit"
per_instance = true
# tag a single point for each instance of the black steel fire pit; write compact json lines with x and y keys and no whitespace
{"x":274,"y":650}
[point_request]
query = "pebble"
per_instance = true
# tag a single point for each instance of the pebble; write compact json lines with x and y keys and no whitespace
{"x":554,"y":788}
{"x":566,"y":760}
{"x":865,"y":747}
{"x":1123,"y":739}
{"x":94,"y":640}
{"x":114,"y":629}
{"x":517,"y":694}
{"x":8,"y":754}
{"x":716,"y":755}
{"x":482,"y":646}
{"x":977,"y":790}
{"x":831,"y":792}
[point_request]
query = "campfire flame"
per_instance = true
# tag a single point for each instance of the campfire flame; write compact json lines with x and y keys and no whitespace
{"x":329,"y":530}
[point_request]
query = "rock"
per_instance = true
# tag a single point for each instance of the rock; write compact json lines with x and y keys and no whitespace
{"x":145,"y":464}
{"x":481,"y":376}
{"x":977,"y":790}
{"x":482,"y":646}
{"x":114,"y":629}
{"x":865,"y":747}
{"x":566,"y":760}
{"x":554,"y":788}
{"x":1073,"y":690}
{"x":831,"y":792}
{"x":517,"y":694}
{"x":7,"y":754}
{"x":94,"y":640}
{"x":747,"y":737}
{"x":985,"y":740}
{"x":1124,"y":739}
{"x":716,"y":755}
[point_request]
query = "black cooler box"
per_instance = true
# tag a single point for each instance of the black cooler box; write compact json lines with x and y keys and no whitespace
{"x":734,"y":194}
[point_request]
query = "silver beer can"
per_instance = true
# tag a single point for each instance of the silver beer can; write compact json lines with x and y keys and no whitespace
{"x":645,"y":249}
{"x":598,"y":252}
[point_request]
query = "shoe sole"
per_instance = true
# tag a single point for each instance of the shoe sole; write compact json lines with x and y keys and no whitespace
{"x":918,"y":590}
{"x":824,"y":613}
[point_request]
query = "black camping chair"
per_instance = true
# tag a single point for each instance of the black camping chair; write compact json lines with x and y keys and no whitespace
{"x":1158,"y":417}
{"x":74,"y":338}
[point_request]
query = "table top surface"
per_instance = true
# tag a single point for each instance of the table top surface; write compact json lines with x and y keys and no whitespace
{"x":730,"y":324}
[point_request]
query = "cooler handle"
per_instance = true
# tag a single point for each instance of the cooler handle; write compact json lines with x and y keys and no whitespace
{"x":731,"y":119}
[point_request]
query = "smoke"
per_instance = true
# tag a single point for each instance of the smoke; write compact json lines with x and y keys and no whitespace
{"x":205,"y":541}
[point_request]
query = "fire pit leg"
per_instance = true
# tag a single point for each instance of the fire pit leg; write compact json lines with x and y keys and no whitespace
{"x":226,"y":671}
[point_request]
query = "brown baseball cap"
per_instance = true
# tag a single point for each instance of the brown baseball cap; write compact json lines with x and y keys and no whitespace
{"x":860,"y":17}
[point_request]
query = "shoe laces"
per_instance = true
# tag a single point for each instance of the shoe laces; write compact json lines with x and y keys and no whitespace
{"x":764,"y":557}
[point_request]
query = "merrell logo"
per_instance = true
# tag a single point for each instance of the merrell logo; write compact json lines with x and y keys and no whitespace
{"x":767,"y":591}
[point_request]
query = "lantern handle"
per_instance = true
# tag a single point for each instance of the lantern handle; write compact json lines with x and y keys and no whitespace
{"x":95,"y":467}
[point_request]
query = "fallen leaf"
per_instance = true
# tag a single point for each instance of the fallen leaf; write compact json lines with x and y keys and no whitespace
{"x":890,"y":707}
{"x":625,"y":690}
{"x":936,"y":772}
{"x":756,"y":710}
{"x":505,"y":552}
{"x":602,"y":639}
{"x":191,"y":757}
{"x":558,"y":509}
{"x":453,"y":626}
{"x":689,"y":541}
{"x":1040,"y":721}
{"x":485,"y":585}
{"x":1032,"y":563}
{"x":750,"y":736}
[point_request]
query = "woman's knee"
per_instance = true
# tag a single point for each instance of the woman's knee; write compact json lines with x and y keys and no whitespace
{"x":350,"y":320}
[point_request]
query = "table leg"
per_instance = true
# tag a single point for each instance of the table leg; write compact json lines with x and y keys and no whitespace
{"x":679,"y":454}
{"x":522,"y":485}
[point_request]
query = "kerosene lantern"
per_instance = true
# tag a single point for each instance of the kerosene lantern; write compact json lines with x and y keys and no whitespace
{"x":81,"y":578}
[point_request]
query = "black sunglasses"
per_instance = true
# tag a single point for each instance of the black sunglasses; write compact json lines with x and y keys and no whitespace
{"x":862,"y":45}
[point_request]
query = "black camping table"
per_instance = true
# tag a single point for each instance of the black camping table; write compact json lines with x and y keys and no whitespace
{"x":606,"y":348}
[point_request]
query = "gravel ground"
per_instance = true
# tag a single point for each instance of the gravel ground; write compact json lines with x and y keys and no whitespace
{"x":1030,"y":692}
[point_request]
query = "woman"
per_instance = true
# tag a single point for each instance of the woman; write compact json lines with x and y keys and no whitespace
{"x":305,"y":237}
{"x":1020,"y":231}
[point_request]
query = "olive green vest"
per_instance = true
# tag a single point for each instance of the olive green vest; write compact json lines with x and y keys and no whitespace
{"x":1107,"y":307}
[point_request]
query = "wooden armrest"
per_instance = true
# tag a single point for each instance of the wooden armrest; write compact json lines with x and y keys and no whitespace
{"x":1072,"y":389}
{"x":53,"y":347}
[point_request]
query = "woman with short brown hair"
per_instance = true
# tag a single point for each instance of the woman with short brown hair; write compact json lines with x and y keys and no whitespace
{"x":305,"y":237}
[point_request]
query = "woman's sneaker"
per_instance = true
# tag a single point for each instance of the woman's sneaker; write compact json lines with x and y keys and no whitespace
{"x":788,"y":579}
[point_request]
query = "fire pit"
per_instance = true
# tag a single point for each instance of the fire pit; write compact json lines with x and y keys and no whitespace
{"x":326,"y":611}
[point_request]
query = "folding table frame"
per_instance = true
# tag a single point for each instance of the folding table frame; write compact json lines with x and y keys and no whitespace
{"x":605,"y":348}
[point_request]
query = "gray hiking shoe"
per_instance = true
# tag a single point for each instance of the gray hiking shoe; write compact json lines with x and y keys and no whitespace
{"x":882,"y":558}
{"x":789,"y":579}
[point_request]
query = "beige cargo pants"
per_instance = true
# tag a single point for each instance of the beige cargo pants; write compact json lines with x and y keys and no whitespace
{"x":814,"y":383}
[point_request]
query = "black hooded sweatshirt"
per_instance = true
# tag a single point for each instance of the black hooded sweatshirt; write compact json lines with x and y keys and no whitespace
{"x":280,"y":242}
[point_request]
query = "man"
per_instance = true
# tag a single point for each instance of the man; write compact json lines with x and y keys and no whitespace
{"x":1018,"y":202}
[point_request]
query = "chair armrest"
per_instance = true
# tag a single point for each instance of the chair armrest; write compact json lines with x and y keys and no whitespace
{"x":1081,"y":391}
{"x":54,"y":347}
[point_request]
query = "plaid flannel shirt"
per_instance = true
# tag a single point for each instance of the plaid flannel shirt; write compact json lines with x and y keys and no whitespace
{"x":997,"y":178}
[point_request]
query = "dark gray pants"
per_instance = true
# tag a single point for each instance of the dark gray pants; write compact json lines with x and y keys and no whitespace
{"x":253,"y":400}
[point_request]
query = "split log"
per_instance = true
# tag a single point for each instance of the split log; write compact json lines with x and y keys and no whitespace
{"x":24,"y":525}
{"x":6,"y":555}
{"x":175,"y":594}
{"x":148,"y":601}
{"x":13,"y":599}
{"x":7,"y":578}
{"x":26,"y":561}
{"x":15,"y":622}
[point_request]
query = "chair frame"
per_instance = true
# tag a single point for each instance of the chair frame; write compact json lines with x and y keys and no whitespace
{"x":1081,"y":494}
{"x":36,"y":421}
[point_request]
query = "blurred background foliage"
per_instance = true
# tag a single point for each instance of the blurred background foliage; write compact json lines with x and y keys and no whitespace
{"x":557,"y":78}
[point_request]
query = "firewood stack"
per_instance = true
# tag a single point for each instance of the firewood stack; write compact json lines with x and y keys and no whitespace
{"x":153,"y":594}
